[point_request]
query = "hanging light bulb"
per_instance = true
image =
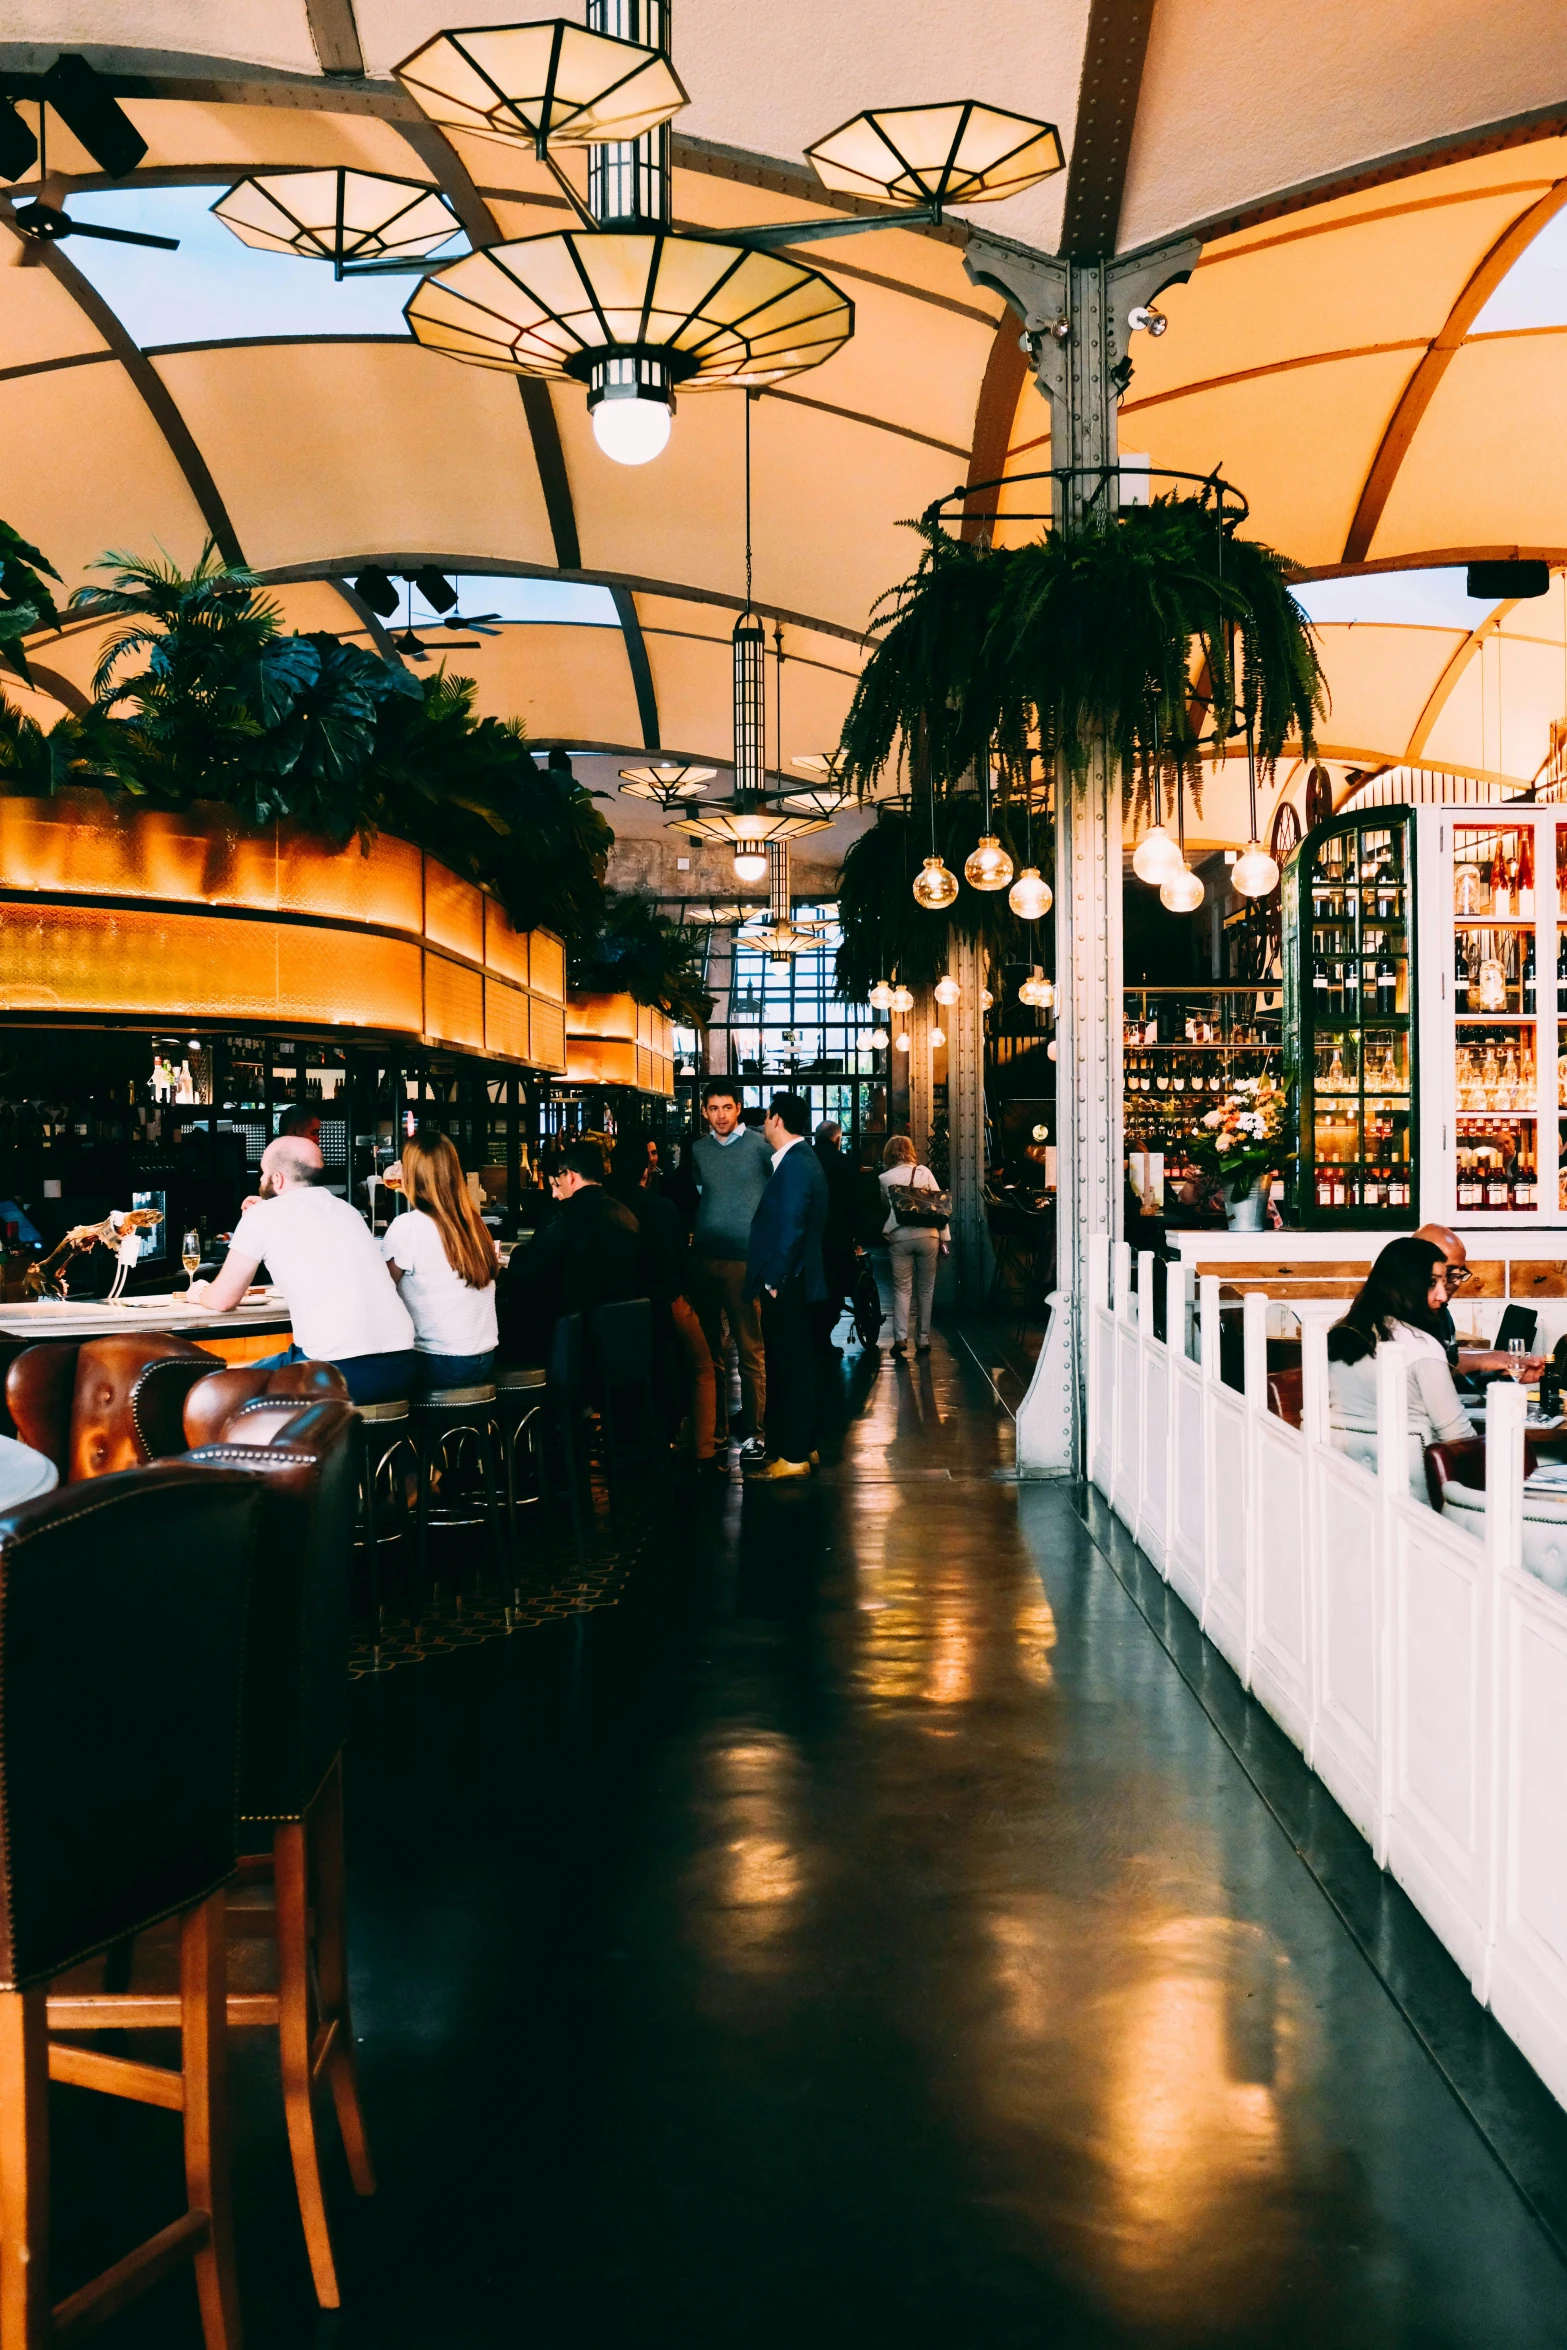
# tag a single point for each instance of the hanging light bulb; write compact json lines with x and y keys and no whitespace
{"x":631,"y":426}
{"x":902,"y":999}
{"x":1050,"y":1050}
{"x":1030,"y":895}
{"x":1254,"y":874}
{"x":934,"y":886}
{"x":938,"y":1037}
{"x":750,"y":863}
{"x":1036,"y":990}
{"x":1182,"y":893}
{"x":1156,"y":856}
{"x":880,"y":997}
{"x":986,"y":999}
{"x":902,"y":1041}
{"x":946,"y":990}
{"x":988,"y":866}
{"x":878,"y":1040}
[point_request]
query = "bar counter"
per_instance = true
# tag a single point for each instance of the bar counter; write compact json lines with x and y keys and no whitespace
{"x":238,"y":1337}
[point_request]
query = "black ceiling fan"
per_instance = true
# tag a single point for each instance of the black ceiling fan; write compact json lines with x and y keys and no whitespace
{"x":412,"y":650}
{"x":84,"y":104}
{"x":479,"y":620}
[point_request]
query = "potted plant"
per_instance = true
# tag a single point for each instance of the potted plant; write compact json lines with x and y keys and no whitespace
{"x":1242,"y":1143}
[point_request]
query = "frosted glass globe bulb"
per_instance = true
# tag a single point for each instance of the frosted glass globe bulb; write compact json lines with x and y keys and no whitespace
{"x":902,"y":1041}
{"x":946,"y":991}
{"x":1182,"y":893}
{"x":631,"y":431}
{"x":880,"y":997}
{"x":1156,"y":856}
{"x":903,"y":999}
{"x":934,"y":886}
{"x":938,"y":1037}
{"x":750,"y":864}
{"x":988,"y":866}
{"x":1030,"y":895}
{"x":1254,"y":874}
{"x":878,"y":1040}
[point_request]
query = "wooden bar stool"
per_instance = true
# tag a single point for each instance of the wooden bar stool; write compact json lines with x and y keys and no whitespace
{"x":122,"y":1625}
{"x":301,"y":1461}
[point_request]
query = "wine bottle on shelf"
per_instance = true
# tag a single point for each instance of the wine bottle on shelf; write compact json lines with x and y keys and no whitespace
{"x":1530,"y":987}
{"x":1526,"y":875}
{"x":1387,"y":981}
{"x":1462,"y":970}
{"x":1501,"y":895}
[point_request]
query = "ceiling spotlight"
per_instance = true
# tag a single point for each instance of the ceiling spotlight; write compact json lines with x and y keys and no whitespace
{"x":1030,"y":895}
{"x":1181,"y":892}
{"x":880,"y":997}
{"x":960,"y":153}
{"x":436,"y":589}
{"x":946,"y":990}
{"x":81,"y":99}
{"x":902,"y":1041}
{"x":373,"y":587}
{"x":902,"y":999}
{"x":938,"y":1037}
{"x":1151,"y":321}
{"x":934,"y":887}
{"x":18,"y":147}
{"x":1254,"y":874}
{"x":1156,"y":856}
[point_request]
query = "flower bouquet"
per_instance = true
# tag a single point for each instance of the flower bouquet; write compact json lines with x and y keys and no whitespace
{"x":1246,"y":1137}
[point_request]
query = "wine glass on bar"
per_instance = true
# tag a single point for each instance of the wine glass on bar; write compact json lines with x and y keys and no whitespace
{"x":190,"y":1256}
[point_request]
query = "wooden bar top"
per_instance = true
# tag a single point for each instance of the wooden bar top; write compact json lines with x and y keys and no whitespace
{"x":94,"y":1317}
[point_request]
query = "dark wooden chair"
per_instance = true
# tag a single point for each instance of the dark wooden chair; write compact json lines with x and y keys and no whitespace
{"x":1286,"y":1395}
{"x":122,"y":1627}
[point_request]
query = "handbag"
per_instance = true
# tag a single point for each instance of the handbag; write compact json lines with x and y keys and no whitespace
{"x":919,"y":1210}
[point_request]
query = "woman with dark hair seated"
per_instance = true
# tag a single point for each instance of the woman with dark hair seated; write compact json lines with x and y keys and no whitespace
{"x":1402,"y":1299}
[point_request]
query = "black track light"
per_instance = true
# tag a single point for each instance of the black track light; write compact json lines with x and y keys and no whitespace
{"x":81,"y":99}
{"x":436,"y":589}
{"x":18,"y":147}
{"x":372,"y":587}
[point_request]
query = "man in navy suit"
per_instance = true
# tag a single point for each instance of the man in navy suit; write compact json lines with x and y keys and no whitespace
{"x":784,"y":1270}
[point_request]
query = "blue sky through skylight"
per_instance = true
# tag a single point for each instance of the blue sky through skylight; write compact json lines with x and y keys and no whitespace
{"x":1534,"y":291}
{"x":1397,"y":599}
{"x":571,"y":601}
{"x":214,"y":288}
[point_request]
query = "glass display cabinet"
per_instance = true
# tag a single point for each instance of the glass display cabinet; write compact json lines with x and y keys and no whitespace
{"x":1350,"y":1038}
{"x":1182,"y":1049}
{"x":1426,"y":1016}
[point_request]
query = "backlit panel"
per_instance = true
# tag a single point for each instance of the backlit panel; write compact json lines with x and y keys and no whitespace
{"x":547,"y":1042}
{"x":547,"y":965}
{"x":505,"y":1020}
{"x":453,"y":912}
{"x":505,"y":949}
{"x":453,"y":1002}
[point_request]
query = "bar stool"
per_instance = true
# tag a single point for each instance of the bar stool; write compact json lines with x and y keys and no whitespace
{"x":521,"y":1393}
{"x":122,"y":1631}
{"x":620,"y":1344}
{"x":446,"y":1421}
{"x":386,"y":1438}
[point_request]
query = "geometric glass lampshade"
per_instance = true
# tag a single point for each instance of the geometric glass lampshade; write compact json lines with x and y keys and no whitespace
{"x":680,"y":310}
{"x":962,"y":153}
{"x":338,"y":216}
{"x":669,"y":781}
{"x":823,"y":796}
{"x":541,"y":82}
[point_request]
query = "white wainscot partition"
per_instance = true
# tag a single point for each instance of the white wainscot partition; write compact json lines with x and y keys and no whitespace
{"x":1422,"y":1672}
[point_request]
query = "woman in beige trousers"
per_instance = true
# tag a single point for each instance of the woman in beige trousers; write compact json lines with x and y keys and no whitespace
{"x":914,"y":1249}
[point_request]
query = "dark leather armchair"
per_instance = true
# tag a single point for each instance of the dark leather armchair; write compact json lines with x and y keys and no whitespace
{"x":210,"y":1406}
{"x":122,"y":1622}
{"x":1463,"y":1463}
{"x":103,"y":1404}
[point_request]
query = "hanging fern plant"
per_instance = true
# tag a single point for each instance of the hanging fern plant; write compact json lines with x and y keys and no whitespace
{"x":886,"y":932}
{"x":1147,"y":630}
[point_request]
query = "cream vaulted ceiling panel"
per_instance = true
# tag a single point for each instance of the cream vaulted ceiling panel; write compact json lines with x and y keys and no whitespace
{"x":239,"y":138}
{"x":1380,"y":680}
{"x":1240,"y":103}
{"x":385,"y":447}
{"x":97,"y":473}
{"x":1297,"y":443}
{"x":1497,"y":718}
{"x":1488,"y":466}
{"x":38,"y":319}
{"x":565,"y":684}
{"x":260,"y":32}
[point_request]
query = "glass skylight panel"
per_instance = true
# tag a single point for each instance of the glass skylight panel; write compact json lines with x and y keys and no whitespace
{"x":1396,"y":599}
{"x":569,"y":603}
{"x":1534,"y":291}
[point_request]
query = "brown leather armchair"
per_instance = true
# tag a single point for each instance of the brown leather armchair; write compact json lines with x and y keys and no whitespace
{"x":1463,"y":1463}
{"x":210,"y":1406}
{"x":103,"y":1404}
{"x":122,"y":1628}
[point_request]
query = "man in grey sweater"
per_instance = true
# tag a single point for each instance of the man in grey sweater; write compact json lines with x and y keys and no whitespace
{"x":731,"y":1163}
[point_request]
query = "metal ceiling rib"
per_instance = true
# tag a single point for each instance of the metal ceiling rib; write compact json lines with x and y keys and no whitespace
{"x":1113,"y":56}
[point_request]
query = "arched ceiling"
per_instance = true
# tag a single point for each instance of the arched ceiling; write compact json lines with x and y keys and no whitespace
{"x":1368,"y":182}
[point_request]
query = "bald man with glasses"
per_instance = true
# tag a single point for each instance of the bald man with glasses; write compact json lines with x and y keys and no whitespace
{"x":1468,"y":1361}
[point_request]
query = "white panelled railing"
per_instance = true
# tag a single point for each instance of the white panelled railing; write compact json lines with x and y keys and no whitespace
{"x":1422,"y":1672}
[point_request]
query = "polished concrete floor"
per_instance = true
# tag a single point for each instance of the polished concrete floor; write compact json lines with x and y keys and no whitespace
{"x":885,"y":1925}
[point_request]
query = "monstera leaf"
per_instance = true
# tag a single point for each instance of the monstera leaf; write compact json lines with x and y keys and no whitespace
{"x":25,"y":602}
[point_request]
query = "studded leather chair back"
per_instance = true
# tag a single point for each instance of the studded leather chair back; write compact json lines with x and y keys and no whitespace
{"x":296,"y":1671}
{"x":1463,"y":1463}
{"x":104,"y":1404}
{"x":210,"y":1407}
{"x":123,"y":1604}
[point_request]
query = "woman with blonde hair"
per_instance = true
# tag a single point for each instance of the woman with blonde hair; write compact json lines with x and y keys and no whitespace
{"x":916,"y":1230}
{"x":440,"y":1254}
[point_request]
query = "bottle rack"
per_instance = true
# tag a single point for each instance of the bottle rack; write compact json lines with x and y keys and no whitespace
{"x":1182,"y":1050}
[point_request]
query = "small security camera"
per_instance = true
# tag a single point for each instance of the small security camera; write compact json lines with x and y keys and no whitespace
{"x":1152,"y":321}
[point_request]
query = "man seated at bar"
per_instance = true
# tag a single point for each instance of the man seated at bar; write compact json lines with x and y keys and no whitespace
{"x":341,"y":1299}
{"x":588,"y":1253}
{"x":1467,"y":1362}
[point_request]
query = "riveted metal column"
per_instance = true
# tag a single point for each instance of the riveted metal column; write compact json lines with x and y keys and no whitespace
{"x":922,"y":1092}
{"x":964,"y":1022}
